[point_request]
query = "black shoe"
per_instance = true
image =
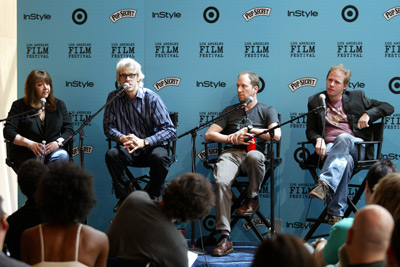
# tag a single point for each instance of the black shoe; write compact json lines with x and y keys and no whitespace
{"x":116,"y":207}
{"x":320,"y":190}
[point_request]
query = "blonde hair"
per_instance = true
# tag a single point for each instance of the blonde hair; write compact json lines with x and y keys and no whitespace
{"x":386,"y":193}
{"x":341,"y":68}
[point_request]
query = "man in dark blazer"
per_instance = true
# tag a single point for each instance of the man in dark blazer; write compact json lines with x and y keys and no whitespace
{"x":334,"y":132}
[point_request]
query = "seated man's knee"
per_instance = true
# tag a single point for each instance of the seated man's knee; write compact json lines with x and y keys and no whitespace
{"x":255,"y":157}
{"x":344,"y":138}
{"x":111,"y":154}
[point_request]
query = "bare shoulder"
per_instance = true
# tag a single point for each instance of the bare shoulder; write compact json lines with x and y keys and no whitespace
{"x":90,"y":233}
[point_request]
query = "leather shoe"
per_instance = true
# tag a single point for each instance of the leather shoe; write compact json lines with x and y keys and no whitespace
{"x":250,"y":206}
{"x":223,"y":248}
{"x":116,"y":207}
{"x":332,"y":219}
{"x":320,"y":190}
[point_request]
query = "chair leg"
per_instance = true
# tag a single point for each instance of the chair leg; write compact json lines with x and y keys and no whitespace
{"x":317,"y":223}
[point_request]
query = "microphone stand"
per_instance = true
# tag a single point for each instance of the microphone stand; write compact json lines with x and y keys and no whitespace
{"x":81,"y":131}
{"x":193,"y":133}
{"x":20,"y":114}
{"x":271,"y":159}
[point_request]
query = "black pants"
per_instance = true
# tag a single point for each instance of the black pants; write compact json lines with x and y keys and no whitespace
{"x":118,"y":158}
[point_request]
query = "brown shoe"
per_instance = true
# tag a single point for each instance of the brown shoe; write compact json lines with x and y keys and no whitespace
{"x":250,"y":206}
{"x":223,"y":248}
{"x":320,"y":190}
{"x":333,"y":219}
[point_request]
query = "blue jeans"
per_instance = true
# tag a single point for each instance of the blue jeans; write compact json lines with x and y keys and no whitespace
{"x":57,"y":155}
{"x":338,"y":168}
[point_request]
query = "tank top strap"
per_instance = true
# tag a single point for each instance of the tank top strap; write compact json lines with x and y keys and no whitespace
{"x":41,"y":242}
{"x":78,"y":235}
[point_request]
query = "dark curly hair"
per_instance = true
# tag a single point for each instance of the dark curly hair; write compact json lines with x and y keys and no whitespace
{"x":283,"y":250}
{"x":65,"y":193}
{"x":29,"y":175}
{"x":189,"y":197}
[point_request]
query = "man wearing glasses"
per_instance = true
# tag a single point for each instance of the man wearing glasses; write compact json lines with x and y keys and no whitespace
{"x":139,"y":122}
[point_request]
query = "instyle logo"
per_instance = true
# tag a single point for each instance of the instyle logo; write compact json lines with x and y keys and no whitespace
{"x":392,"y":49}
{"x":255,"y":12}
{"x":166,"y":50}
{"x":299,"y":225}
{"x":79,"y":84}
{"x":79,"y":116}
{"x":302,"y":49}
{"x":392,"y":122}
{"x":302,"y":13}
{"x":298,"y":122}
{"x":391,"y":156}
{"x":211,"y":84}
{"x":211,"y":49}
{"x":34,"y":16}
{"x":356,"y":85}
{"x":293,"y":86}
{"x":37,"y":50}
{"x":391,"y":13}
{"x":166,"y":15}
{"x":256,"y":49}
{"x":350,"y":49}
{"x":123,"y":13}
{"x":170,"y":81}
{"x":123,"y":50}
{"x":80,"y":50}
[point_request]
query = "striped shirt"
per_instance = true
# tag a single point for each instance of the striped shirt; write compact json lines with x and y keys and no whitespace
{"x":146,"y":117}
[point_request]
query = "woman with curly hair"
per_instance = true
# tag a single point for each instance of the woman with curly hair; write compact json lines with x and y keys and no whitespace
{"x":51,"y":123}
{"x":143,"y":228}
{"x":65,"y":197}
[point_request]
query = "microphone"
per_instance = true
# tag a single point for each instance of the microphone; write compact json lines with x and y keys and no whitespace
{"x":248,"y":101}
{"x":43,"y":100}
{"x":126,"y":86}
{"x":322,"y":99}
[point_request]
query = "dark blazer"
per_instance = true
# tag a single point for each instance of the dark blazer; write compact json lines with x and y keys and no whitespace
{"x":57,"y":124}
{"x":355,"y":103}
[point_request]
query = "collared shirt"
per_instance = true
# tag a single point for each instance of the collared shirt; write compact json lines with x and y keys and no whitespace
{"x":146,"y":116}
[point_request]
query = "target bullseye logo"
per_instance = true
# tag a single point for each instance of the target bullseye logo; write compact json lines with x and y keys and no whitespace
{"x":211,"y":14}
{"x":262,"y":85}
{"x":394,"y":85}
{"x":350,"y":13}
{"x":79,"y":16}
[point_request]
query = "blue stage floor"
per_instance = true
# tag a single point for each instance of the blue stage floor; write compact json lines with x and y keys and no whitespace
{"x":242,"y":256}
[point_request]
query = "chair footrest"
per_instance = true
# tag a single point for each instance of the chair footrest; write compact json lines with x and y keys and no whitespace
{"x":316,"y":220}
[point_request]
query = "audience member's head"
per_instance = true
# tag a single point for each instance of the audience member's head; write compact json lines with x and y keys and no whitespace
{"x":65,"y":193}
{"x":380,"y":169}
{"x":386,"y":193}
{"x":28,"y":176}
{"x":188,"y":198}
{"x":368,"y":239}
{"x":393,"y":253}
{"x":283,"y":250}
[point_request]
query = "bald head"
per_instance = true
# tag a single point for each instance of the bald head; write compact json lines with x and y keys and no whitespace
{"x":369,"y":237}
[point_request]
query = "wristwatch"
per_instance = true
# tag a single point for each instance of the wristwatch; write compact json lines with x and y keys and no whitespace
{"x":249,"y":128}
{"x":146,"y":142}
{"x":59,"y":143}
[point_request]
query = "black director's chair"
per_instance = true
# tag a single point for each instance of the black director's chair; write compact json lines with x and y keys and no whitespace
{"x":310,"y":163}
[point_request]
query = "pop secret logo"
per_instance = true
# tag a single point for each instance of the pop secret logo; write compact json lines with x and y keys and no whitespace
{"x":166,"y":82}
{"x":255,"y":12}
{"x":123,"y":13}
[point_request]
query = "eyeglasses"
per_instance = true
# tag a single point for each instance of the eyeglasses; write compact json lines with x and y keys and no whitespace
{"x":124,"y":76}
